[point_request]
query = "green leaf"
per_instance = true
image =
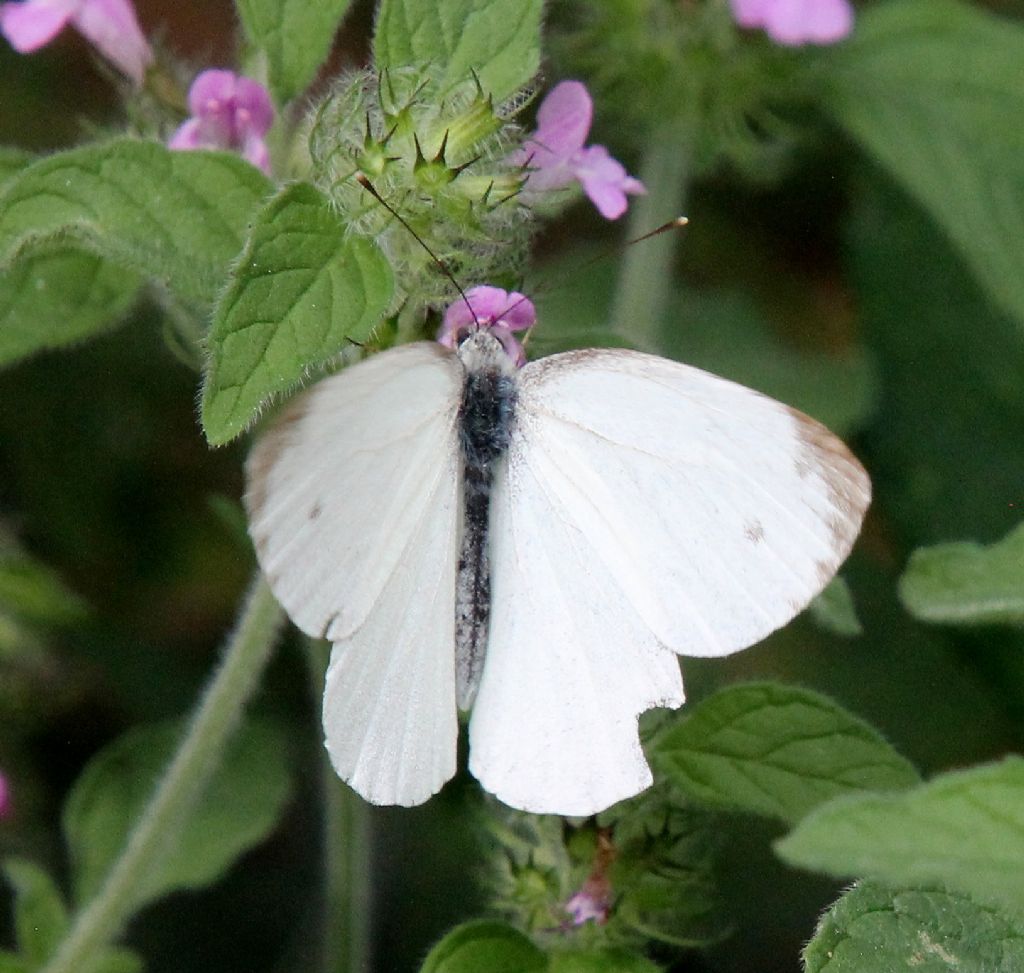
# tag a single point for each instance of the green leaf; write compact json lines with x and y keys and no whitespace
{"x":484,"y":946}
{"x":51,"y":299}
{"x":926,"y":87}
{"x":117,"y":959}
{"x":873,"y":928}
{"x":967,"y":584}
{"x":498,"y":40}
{"x":40,"y":916}
{"x":237,"y":811}
{"x":302,"y":288}
{"x":600,"y":961}
{"x":777,"y":751}
{"x":964,"y":829}
{"x":179,"y":217}
{"x":12,"y":160}
{"x":295,"y":36}
{"x":938,"y":342}
{"x":834,"y":610}
{"x":9,"y":963}
{"x":33,"y":592}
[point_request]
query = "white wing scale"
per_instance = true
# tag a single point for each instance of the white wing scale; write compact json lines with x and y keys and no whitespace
{"x":353,"y":508}
{"x":646,"y":506}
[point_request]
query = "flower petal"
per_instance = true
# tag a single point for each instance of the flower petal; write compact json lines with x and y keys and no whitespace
{"x":795,"y":22}
{"x":750,"y":13}
{"x":564,"y":117}
{"x":113,"y":29}
{"x":519,"y":313}
{"x":32,"y":24}
{"x":605,"y":180}
{"x":212,"y":94}
{"x":188,"y":136}
{"x":255,"y":151}
{"x":253,"y":107}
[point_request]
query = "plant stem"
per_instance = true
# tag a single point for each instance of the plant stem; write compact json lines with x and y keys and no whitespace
{"x":183,"y":783}
{"x":646,"y":278}
{"x":347,"y":856}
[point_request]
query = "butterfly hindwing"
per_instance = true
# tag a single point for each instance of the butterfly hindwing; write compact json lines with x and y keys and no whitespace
{"x":570,"y":663}
{"x":353,"y":509}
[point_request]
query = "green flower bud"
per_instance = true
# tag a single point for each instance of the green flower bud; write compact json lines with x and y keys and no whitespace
{"x":437,"y":154}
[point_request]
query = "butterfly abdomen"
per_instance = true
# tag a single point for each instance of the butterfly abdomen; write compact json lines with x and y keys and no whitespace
{"x":485,"y":424}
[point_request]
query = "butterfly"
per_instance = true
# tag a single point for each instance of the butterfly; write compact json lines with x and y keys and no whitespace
{"x":535,"y":545}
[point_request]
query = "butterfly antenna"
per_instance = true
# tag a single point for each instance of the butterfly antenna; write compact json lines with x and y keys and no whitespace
{"x":677,"y":224}
{"x":368,"y":186}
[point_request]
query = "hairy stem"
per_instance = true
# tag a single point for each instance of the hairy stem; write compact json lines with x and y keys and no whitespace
{"x":347,"y":856}
{"x":248,"y":650}
{"x":646,"y":278}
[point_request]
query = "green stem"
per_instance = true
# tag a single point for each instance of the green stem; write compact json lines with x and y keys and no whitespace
{"x":646,"y":278}
{"x":347,"y":857}
{"x":198,"y":757}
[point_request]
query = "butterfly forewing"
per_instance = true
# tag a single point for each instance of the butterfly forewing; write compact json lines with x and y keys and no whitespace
{"x":353,"y":509}
{"x":720,"y":512}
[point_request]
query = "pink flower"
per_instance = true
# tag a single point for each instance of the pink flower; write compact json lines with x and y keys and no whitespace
{"x":796,"y":22}
{"x":592,"y":903}
{"x":5,"y":798}
{"x":110,"y":26}
{"x":498,"y":311}
{"x":556,"y":155}
{"x":228,"y":112}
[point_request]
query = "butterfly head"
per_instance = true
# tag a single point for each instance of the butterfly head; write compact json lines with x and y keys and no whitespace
{"x":481,"y":326}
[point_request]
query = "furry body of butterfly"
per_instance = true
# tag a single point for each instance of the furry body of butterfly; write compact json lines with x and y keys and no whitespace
{"x":539,"y":543}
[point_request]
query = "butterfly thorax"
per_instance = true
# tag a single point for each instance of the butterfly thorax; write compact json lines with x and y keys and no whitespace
{"x":485,"y":424}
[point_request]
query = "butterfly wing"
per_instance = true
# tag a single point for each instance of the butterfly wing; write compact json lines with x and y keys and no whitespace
{"x":353,"y":508}
{"x":569,"y":665}
{"x":646,"y":506}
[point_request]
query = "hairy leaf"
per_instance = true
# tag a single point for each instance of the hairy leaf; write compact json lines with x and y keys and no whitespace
{"x":926,"y":930}
{"x":926,"y":87}
{"x":964,"y":829}
{"x":302,"y":289}
{"x":294,"y":35}
{"x":834,"y":610}
{"x":484,"y":947}
{"x":967,"y":584}
{"x":40,"y":916}
{"x":238,"y":810}
{"x":498,"y":40}
{"x":776,"y":750}
{"x":52,"y":299}
{"x":178,"y":217}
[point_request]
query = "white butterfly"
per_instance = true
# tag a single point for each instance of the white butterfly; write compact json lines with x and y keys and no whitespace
{"x":640,"y":508}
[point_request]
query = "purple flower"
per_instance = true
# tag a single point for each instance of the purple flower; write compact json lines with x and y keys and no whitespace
{"x":796,"y":22}
{"x":5,"y":798}
{"x":228,"y":112}
{"x":109,"y":25}
{"x":498,"y":311}
{"x":590,"y":904}
{"x":556,"y":155}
